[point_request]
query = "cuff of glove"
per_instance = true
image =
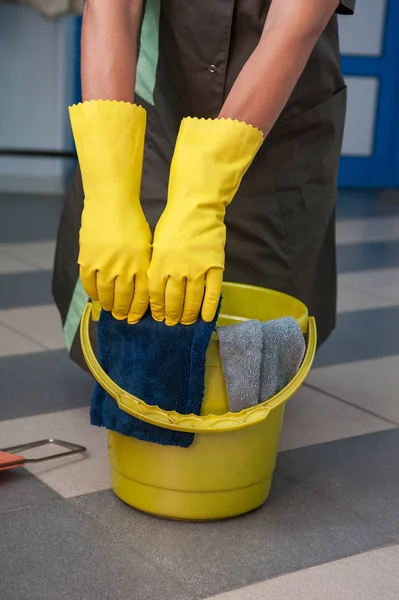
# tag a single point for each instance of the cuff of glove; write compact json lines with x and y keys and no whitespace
{"x":106,"y":119}
{"x":109,"y":139}
{"x":228,"y":139}
{"x":211,"y":157}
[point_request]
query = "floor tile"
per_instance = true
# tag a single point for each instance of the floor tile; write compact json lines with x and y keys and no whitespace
{"x":362,"y":335}
{"x":36,"y":384}
{"x":8,"y":264}
{"x":29,"y":217}
{"x":384,"y":282}
{"x":360,"y":474}
{"x":36,"y":254}
{"x":40,"y":323}
{"x":12,"y":343}
{"x":351,"y":298}
{"x":54,"y":551}
{"x":294,"y":530}
{"x":312,"y":417}
{"x":368,"y":230}
{"x":73,"y":475}
{"x":366,"y":576}
{"x":366,"y":256}
{"x":19,"y":489}
{"x":371,"y":384}
{"x":365,"y":204}
{"x":25,"y":289}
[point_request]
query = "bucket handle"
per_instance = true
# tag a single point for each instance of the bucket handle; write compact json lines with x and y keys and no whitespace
{"x":192,"y":423}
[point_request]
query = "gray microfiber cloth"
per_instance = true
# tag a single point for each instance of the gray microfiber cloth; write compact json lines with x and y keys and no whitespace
{"x":259,"y":359}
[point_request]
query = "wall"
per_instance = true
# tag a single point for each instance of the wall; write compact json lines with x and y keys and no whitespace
{"x":370,"y":63}
{"x":362,"y":35}
{"x":38,"y":79}
{"x":37,"y":74}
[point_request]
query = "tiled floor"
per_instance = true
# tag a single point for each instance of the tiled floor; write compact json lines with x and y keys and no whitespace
{"x":330,"y":529}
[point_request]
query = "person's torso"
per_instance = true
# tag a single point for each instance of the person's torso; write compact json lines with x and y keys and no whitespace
{"x":204,"y":45}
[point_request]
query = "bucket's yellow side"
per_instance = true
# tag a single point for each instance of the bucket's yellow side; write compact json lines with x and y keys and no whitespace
{"x":218,"y":477}
{"x":228,"y":469}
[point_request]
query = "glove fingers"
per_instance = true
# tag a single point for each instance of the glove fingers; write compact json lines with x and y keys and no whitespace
{"x":157,"y":299}
{"x":88,"y":279}
{"x":140,"y":301}
{"x":213,"y":289}
{"x":174,"y":300}
{"x":123,"y":294}
{"x":105,"y":290}
{"x":193,"y":301}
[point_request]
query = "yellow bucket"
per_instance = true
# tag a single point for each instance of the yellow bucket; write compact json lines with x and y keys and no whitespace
{"x":228,"y":470}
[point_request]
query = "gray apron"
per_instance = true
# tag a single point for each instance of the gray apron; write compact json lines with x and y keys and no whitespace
{"x":281,"y":224}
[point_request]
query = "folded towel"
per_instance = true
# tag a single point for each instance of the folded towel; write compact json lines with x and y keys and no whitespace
{"x":259,"y":359}
{"x":164,"y":366}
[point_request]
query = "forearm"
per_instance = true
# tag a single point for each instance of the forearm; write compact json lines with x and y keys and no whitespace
{"x":268,"y":78}
{"x":109,"y":49}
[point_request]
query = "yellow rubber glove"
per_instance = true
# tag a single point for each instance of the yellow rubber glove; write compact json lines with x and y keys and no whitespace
{"x":115,"y":238}
{"x":186,"y":271}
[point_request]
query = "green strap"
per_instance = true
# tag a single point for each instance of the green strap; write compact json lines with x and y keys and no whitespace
{"x":149,"y":51}
{"x":75,"y":312}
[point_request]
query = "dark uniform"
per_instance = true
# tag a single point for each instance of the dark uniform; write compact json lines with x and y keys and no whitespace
{"x":280,"y":225}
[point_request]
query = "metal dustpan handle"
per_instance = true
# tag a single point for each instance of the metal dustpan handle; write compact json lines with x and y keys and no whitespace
{"x":10,"y":457}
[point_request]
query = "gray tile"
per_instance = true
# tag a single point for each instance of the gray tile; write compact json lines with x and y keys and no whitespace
{"x":363,"y":577}
{"x":384,"y":282}
{"x":73,"y":475}
{"x":362,"y":335}
{"x":296,"y":529}
{"x":360,"y":474}
{"x":352,"y":298}
{"x":20,"y":489}
{"x":313,"y":417}
{"x":34,"y":384}
{"x":12,"y":343}
{"x":41,"y":324}
{"x":365,"y":256}
{"x":37,"y":254}
{"x":54,"y":551}
{"x":368,"y":230}
{"x":10,"y":264}
{"x":29,"y":217}
{"x":369,"y":384}
{"x":25,"y":289}
{"x":364,"y":204}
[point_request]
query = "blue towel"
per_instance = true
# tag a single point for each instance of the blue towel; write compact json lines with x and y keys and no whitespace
{"x":164,"y":366}
{"x":259,"y":359}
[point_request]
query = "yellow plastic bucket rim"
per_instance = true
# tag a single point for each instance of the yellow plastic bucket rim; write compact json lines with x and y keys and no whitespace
{"x":302,"y":320}
{"x":193,"y":423}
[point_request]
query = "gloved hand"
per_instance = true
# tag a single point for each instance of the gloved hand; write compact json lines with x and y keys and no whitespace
{"x":186,"y":271}
{"x":115,"y":238}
